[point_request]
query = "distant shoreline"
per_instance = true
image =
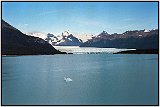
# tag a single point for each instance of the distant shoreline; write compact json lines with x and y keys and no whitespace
{"x":14,"y":55}
{"x":137,"y":51}
{"x":140,"y":51}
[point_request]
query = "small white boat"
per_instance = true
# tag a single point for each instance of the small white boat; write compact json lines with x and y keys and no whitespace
{"x":67,"y":79}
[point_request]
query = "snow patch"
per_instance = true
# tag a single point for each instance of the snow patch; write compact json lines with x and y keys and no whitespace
{"x":146,"y":30}
{"x":70,"y":39}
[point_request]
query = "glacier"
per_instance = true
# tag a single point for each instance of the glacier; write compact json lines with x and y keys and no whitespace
{"x":88,"y":50}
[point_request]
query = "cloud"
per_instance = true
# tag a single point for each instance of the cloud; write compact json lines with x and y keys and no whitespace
{"x":128,"y":19}
{"x":22,"y":26}
{"x":89,"y":22}
{"x":125,"y":27}
{"x":56,"y":11}
{"x":25,"y":24}
{"x":49,"y":12}
{"x":132,"y":19}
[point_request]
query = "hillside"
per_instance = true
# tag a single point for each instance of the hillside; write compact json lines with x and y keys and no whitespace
{"x":14,"y":42}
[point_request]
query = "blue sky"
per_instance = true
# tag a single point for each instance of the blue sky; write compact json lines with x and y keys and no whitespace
{"x":81,"y":17}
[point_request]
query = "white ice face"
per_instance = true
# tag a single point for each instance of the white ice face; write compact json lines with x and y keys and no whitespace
{"x":88,"y":50}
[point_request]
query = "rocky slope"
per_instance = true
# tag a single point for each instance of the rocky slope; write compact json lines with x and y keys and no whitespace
{"x":15,"y":42}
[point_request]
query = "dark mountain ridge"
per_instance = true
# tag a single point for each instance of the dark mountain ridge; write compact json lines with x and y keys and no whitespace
{"x":137,"y":39}
{"x":15,"y":42}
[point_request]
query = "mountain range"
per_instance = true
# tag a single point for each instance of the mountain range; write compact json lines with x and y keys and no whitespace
{"x":137,"y":39}
{"x":65,"y":39}
{"x":14,"y":42}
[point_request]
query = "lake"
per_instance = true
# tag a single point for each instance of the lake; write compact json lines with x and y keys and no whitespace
{"x":98,"y":79}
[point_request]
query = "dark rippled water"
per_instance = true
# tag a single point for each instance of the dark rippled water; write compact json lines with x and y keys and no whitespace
{"x":104,"y":79}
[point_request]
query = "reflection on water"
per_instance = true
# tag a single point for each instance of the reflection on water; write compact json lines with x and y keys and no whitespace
{"x":109,"y":79}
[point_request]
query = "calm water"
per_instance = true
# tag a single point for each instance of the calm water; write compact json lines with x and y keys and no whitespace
{"x":97,"y":79}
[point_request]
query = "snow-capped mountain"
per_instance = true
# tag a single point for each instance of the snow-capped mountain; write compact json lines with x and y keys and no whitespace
{"x":65,"y":39}
{"x":83,"y":36}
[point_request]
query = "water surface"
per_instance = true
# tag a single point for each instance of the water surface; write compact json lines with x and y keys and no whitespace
{"x":105,"y":79}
